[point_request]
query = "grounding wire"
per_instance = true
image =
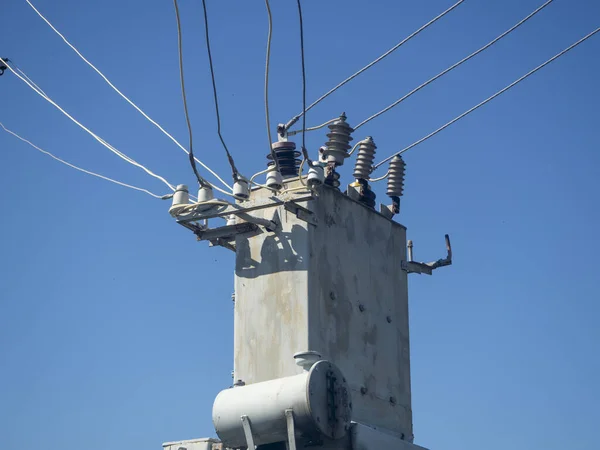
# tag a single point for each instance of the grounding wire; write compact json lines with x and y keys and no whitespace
{"x":454,"y":66}
{"x":95,"y":136}
{"x":469,"y":111}
{"x":127,"y":99}
{"x":267,"y":62}
{"x":79,"y":168}
{"x":234,"y":170}
{"x":371,"y":64}
{"x":201,"y":181}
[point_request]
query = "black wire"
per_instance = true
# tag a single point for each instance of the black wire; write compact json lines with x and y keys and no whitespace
{"x":201,"y":181}
{"x":304,"y":151}
{"x":234,"y":170}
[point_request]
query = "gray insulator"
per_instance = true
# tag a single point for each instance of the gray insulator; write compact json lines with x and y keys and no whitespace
{"x":339,"y":141}
{"x":364,"y":159}
{"x":395,"y":185}
{"x":332,"y":179}
{"x":287,"y":158}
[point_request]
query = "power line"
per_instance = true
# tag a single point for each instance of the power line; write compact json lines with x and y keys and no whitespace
{"x":79,"y":168}
{"x":105,"y":78}
{"x":304,"y":151}
{"x":234,"y":170}
{"x":371,"y":64}
{"x":454,"y":66}
{"x":268,"y":59}
{"x":95,"y":136}
{"x":16,"y":66}
{"x":201,"y":181}
{"x":294,"y":132}
{"x":489,"y":99}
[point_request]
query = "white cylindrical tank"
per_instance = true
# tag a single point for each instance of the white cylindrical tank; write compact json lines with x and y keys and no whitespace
{"x":319,"y":399}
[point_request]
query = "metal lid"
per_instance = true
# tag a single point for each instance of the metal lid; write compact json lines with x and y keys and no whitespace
{"x":329,"y":400}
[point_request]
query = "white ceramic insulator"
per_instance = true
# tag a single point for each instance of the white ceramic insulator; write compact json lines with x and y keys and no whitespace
{"x":241,"y":189}
{"x":274,"y":180}
{"x":316,"y":176}
{"x":205,"y":194}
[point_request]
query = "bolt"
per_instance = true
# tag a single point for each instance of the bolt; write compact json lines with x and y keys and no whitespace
{"x":389,"y":319}
{"x":361,"y":307}
{"x":363,"y":390}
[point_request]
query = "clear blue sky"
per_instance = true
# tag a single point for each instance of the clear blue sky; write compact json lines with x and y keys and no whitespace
{"x":116,"y":325}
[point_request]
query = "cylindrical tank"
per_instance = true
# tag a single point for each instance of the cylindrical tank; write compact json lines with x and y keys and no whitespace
{"x":319,"y":399}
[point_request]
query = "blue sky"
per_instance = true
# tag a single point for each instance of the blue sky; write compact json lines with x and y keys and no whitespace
{"x":116,"y":325}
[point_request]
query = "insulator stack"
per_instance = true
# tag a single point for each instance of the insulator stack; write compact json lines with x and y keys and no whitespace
{"x":339,"y":141}
{"x":287,"y":158}
{"x":364,"y":159}
{"x":395,"y":185}
{"x":332,"y":178}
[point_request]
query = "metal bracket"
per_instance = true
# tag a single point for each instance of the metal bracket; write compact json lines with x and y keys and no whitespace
{"x":248,"y":432}
{"x":245,"y":207}
{"x":291,"y":432}
{"x":301,"y":212}
{"x":411,"y":266}
{"x":219,"y":242}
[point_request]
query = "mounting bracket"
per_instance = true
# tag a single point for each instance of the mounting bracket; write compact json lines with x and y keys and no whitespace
{"x":411,"y":266}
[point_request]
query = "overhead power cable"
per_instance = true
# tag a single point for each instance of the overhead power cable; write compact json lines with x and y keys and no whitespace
{"x":201,"y":181}
{"x":127,"y":99}
{"x":60,"y":160}
{"x":371,"y":64}
{"x":304,"y":151}
{"x":454,"y":66}
{"x":489,"y":99}
{"x":267,"y":62}
{"x":234,"y":170}
{"x":16,"y":67}
{"x":95,"y":136}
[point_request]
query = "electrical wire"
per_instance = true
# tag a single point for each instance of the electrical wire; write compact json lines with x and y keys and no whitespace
{"x":454,"y":66}
{"x":371,"y":64}
{"x":267,"y":62}
{"x":79,"y":168}
{"x":489,"y":99}
{"x":16,"y":66}
{"x":355,"y":146}
{"x":95,"y":136}
{"x":375,"y":180}
{"x":234,"y":170}
{"x":105,"y":78}
{"x":201,"y":181}
{"x":183,"y":209}
{"x":304,"y":151}
{"x":317,"y":127}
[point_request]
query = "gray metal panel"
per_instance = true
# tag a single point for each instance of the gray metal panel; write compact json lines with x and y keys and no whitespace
{"x":367,"y":438}
{"x":358,"y":307}
{"x":302,"y":289}
{"x":271,"y":321}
